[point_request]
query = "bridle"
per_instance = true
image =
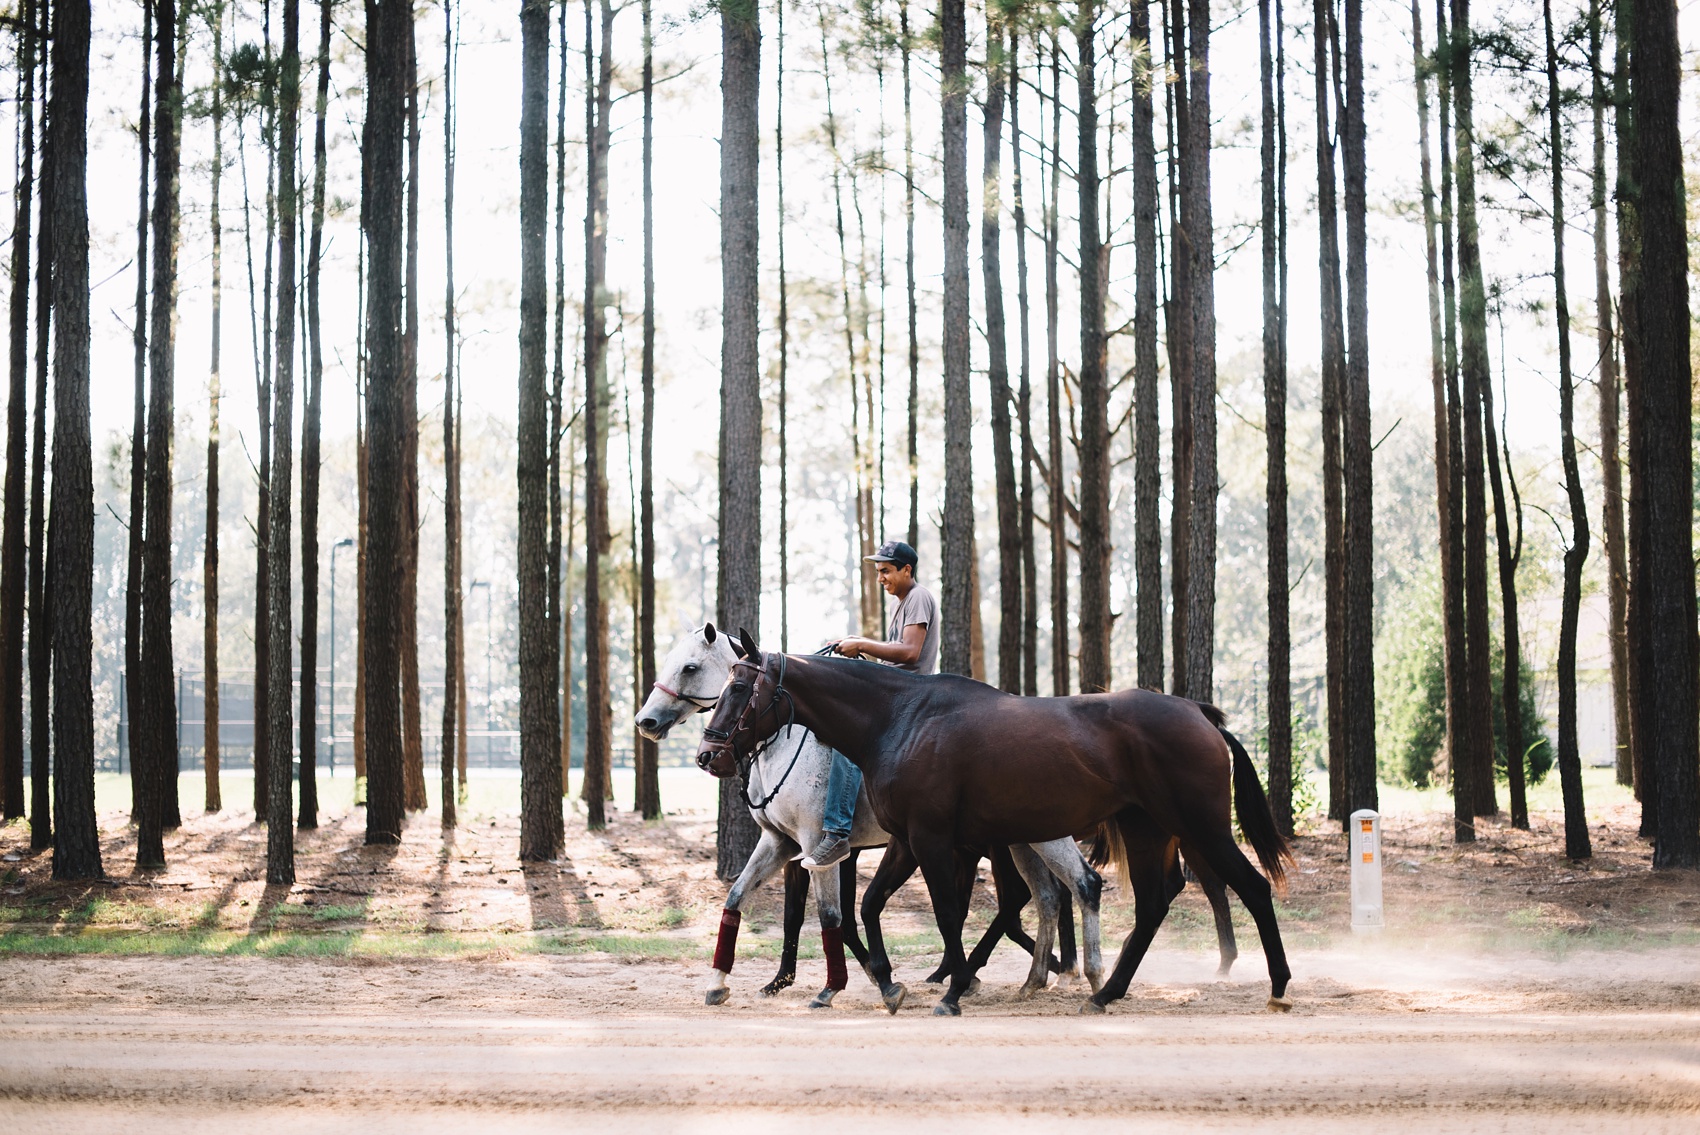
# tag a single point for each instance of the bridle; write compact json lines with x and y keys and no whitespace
{"x":702,"y":703}
{"x":723,"y":739}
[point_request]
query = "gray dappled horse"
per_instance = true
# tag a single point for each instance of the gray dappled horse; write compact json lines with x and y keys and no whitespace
{"x":786,"y":789}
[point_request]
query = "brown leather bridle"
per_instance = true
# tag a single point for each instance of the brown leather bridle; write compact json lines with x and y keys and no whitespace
{"x":716,"y":742}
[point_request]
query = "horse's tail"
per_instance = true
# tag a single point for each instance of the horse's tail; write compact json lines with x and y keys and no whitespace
{"x":1108,"y":847}
{"x":1251,"y":806}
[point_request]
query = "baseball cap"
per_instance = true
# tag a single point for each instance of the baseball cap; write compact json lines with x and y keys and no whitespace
{"x":895,"y":552}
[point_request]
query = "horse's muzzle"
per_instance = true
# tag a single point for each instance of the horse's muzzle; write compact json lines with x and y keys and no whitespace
{"x":717,"y":761}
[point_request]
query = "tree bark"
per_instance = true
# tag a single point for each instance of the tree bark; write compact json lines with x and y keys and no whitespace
{"x":70,"y":555}
{"x":1275,"y":423}
{"x":738,"y":589}
{"x":310,"y":419}
{"x":648,"y":792}
{"x":784,"y":312}
{"x":1201,"y":582}
{"x":144,"y":807}
{"x":1024,"y":395}
{"x":598,"y":696}
{"x":387,"y":25}
{"x":1359,"y":467}
{"x":1333,"y":383}
{"x":280,"y":834}
{"x":1058,"y":504}
{"x":1511,"y":670}
{"x":263,"y":385}
{"x":1178,"y":321}
{"x":413,"y":736}
{"x":13,"y":569}
{"x":1611,"y":394}
{"x":40,"y":654}
{"x":997,"y":353}
{"x":209,"y":559}
{"x":1147,"y":444}
{"x":156,"y":710}
{"x":905,"y":47}
{"x":541,"y":831}
{"x":1672,"y":757}
{"x":564,"y":619}
{"x":1094,"y":619}
{"x":1473,"y":360}
{"x":453,"y":644}
{"x":1576,"y":844}
{"x":956,"y":614}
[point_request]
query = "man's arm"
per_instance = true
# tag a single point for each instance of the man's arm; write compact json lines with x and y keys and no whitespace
{"x":904,"y":653}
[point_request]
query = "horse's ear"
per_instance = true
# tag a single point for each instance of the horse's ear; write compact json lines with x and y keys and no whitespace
{"x":737,"y":647}
{"x":708,"y":633}
{"x":749,"y":643}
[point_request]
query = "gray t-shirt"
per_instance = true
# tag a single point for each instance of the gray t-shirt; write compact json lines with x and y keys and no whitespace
{"x":918,"y":606}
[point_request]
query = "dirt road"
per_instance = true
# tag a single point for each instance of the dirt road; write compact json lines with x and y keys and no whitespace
{"x":1593,"y":1042}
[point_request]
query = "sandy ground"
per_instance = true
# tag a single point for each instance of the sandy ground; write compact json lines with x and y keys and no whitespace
{"x":1431,"y":1041}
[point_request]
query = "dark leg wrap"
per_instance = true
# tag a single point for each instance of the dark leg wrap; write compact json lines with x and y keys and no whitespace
{"x":726,"y":946}
{"x":832,"y":942}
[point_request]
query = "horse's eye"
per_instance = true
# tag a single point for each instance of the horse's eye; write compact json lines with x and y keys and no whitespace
{"x":739,"y":687}
{"x":690,"y":668}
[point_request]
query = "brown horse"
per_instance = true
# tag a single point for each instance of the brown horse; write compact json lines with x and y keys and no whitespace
{"x":949,"y":763}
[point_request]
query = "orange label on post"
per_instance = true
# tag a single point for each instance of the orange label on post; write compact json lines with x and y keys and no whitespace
{"x":1369,"y":857}
{"x":1366,"y":826}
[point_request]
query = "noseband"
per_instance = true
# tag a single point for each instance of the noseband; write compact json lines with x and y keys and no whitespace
{"x":723,"y":739}
{"x":701,"y":703}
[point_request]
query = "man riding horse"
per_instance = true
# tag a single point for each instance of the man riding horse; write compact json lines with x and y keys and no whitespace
{"x":911,"y":643}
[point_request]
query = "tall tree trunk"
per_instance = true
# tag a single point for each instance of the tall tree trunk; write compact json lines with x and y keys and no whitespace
{"x":738,"y":586}
{"x":309,"y":807}
{"x":143,"y":805}
{"x":156,"y":710}
{"x":1178,"y":321}
{"x":1275,"y":426}
{"x":1147,"y":443}
{"x":215,"y":393}
{"x":1627,"y":194}
{"x":1333,"y":382}
{"x":263,"y":384}
{"x":997,"y":350}
{"x":1094,"y":470}
{"x":905,"y":46}
{"x":413,"y":735}
{"x":648,"y":801}
{"x":1473,"y":360}
{"x":1461,"y":742}
{"x":13,"y":571}
{"x":1576,"y":844}
{"x":541,"y":831}
{"x":70,"y":555}
{"x":454,"y":647}
{"x":1359,"y":466}
{"x":1420,"y":66}
{"x":1511,"y":670}
{"x":564,"y":617}
{"x":280,"y":834}
{"x":387,"y":28}
{"x":1611,"y":386}
{"x":784,"y":313}
{"x":361,"y":451}
{"x":1672,"y":759}
{"x":598,"y":695}
{"x":1058,"y":504}
{"x":40,"y":653}
{"x":1201,"y":584}
{"x":1024,"y":394}
{"x":956,"y":613}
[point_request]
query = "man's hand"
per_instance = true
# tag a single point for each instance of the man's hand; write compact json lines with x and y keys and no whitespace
{"x":853,"y":646}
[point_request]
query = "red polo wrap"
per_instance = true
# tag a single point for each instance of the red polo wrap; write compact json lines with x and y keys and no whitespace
{"x":832,"y":941}
{"x":726,"y":946}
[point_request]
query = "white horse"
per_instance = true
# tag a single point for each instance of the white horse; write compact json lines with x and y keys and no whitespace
{"x":786,"y":791}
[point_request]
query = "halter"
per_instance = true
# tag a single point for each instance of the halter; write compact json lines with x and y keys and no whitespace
{"x":745,"y":723}
{"x":702,"y":703}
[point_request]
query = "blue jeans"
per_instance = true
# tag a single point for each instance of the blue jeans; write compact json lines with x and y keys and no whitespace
{"x":843,"y":784}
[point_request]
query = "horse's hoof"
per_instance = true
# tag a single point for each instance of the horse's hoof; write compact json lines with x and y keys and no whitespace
{"x":947,"y":1009}
{"x":1028,"y":990}
{"x":893,"y":997}
{"x":823,"y":999}
{"x":1223,"y":970}
{"x":938,"y":976}
{"x":777,"y":985}
{"x":716,"y":996}
{"x":1280,"y":1005}
{"x":1091,"y":1008}
{"x":973,"y":987}
{"x":1066,"y":980}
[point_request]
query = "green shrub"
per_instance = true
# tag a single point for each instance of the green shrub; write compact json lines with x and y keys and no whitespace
{"x":1419,"y":721}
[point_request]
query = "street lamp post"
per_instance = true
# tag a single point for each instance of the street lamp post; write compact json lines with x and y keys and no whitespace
{"x":335,"y":548}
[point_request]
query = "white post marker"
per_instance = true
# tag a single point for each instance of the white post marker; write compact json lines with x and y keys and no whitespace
{"x":1366,"y":871}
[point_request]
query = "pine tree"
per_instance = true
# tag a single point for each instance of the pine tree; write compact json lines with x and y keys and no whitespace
{"x":1274,"y":154}
{"x":1094,"y":448}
